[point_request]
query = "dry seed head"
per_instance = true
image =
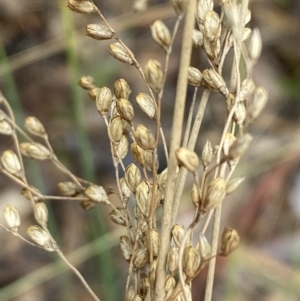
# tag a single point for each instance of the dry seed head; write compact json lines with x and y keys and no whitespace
{"x":179,"y":6}
{"x":195,"y":196}
{"x":154,"y":75}
{"x":126,"y":127}
{"x":170,"y":284}
{"x":197,"y":37}
{"x":140,"y":258}
{"x":41,"y":214}
{"x":87,"y":82}
{"x":212,"y":27}
{"x":34,"y":126}
{"x":99,"y":32}
{"x":118,"y":217}
{"x":240,"y":146}
{"x":97,"y":194}
{"x":138,"y":153}
{"x":215,"y":81}
{"x":121,"y":89}
{"x":125,"y":109}
{"x":240,"y":113}
{"x":67,"y":188}
{"x":12,"y":217}
{"x":143,"y":196}
{"x":133,"y":176}
{"x":28,"y":195}
{"x":229,"y":241}
{"x":144,"y":137}
{"x":191,"y":261}
{"x":82,"y":6}
{"x":115,"y":130}
{"x":161,"y":34}
{"x":125,"y":247}
{"x":121,"y":54}
{"x":177,"y":234}
{"x":11,"y":162}
{"x":6,"y":128}
{"x":103,"y":100}
{"x":41,"y":237}
{"x":194,"y":76}
{"x":233,"y":184}
{"x":187,"y":158}
{"x":126,"y":192}
{"x":172,"y":259}
{"x":204,"y":247}
{"x":93,"y":93}
{"x":35,"y":150}
{"x":215,"y":194}
{"x":152,"y":238}
{"x":146,"y":104}
{"x":228,"y":142}
{"x":257,"y":102}
{"x":204,"y":6}
{"x":255,"y":45}
{"x":149,"y":160}
{"x":207,"y":154}
{"x":152,"y":273}
{"x":121,"y":149}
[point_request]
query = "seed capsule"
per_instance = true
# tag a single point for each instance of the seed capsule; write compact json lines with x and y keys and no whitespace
{"x":133,"y":176}
{"x":41,"y":237}
{"x":257,"y":102}
{"x":97,"y":194}
{"x":154,"y":75}
{"x":161,"y":34}
{"x":240,"y":114}
{"x":255,"y":45}
{"x":138,"y":153}
{"x":99,"y":32}
{"x":41,"y":214}
{"x":117,"y":216}
{"x":121,"y":89}
{"x":146,"y":104}
{"x":170,"y":284}
{"x":187,"y":158}
{"x":194,"y":76}
{"x":121,"y":149}
{"x":215,"y":194}
{"x":177,"y":234}
{"x":6,"y":128}
{"x":153,"y":268}
{"x":229,"y":241}
{"x":228,"y":142}
{"x":103,"y":100}
{"x":82,"y":6}
{"x":11,"y":163}
{"x":12,"y":217}
{"x":121,"y":54}
{"x":204,"y":6}
{"x":115,"y":130}
{"x":239,"y":147}
{"x":198,"y":39}
{"x":144,"y":137}
{"x":67,"y":188}
{"x":207,"y":154}
{"x":34,"y":126}
{"x":152,"y":239}
{"x":87,"y":82}
{"x":35,"y":150}
{"x":125,"y":109}
{"x":143,"y":197}
{"x":125,"y":247}
{"x":204,"y":247}
{"x":191,"y":261}
{"x":126,"y":192}
{"x":215,"y":81}
{"x":141,"y":258}
{"x":212,"y":27}
{"x":172,"y":259}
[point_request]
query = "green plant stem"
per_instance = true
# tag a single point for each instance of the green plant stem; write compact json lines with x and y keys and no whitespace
{"x":175,"y":143}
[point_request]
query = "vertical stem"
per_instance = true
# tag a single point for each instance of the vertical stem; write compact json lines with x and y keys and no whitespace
{"x":175,"y":143}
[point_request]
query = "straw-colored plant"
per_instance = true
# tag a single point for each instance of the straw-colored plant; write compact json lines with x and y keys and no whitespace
{"x":162,"y":256}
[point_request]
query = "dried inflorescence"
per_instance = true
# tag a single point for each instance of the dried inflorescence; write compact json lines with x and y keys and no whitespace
{"x":156,"y":266}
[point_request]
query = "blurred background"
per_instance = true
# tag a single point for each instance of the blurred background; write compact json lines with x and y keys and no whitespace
{"x":43,"y":54}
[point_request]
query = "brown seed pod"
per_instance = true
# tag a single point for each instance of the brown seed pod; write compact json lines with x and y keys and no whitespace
{"x":239,"y":147}
{"x":138,"y":153}
{"x":194,"y":76}
{"x":99,"y":32}
{"x":177,"y":234}
{"x":146,"y":104}
{"x":41,"y":214}
{"x":170,"y":284}
{"x":97,"y":194}
{"x":154,"y":75}
{"x":12,"y":217}
{"x":35,"y":150}
{"x":82,"y":6}
{"x":34,"y":126}
{"x":125,"y":109}
{"x":87,"y":82}
{"x":121,"y":149}
{"x":143,"y":196}
{"x":187,"y":158}
{"x":191,"y":261}
{"x":140,"y":258}
{"x":161,"y":34}
{"x":215,"y":81}
{"x":41,"y":237}
{"x":172,"y":259}
{"x":198,"y":39}
{"x":121,"y":89}
{"x":11,"y":162}
{"x":103,"y":100}
{"x":152,"y":239}
{"x":67,"y":188}
{"x":215,"y":194}
{"x":126,"y":192}
{"x":115,"y":130}
{"x":125,"y":247}
{"x":121,"y":54}
{"x":212,"y":26}
{"x":229,"y":241}
{"x":144,"y":137}
{"x":118,"y":216}
{"x":133,"y":176}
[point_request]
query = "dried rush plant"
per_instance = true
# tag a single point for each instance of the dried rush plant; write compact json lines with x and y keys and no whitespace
{"x":163,"y":259}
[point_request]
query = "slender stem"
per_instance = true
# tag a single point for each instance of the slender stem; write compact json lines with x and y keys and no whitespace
{"x":175,"y":143}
